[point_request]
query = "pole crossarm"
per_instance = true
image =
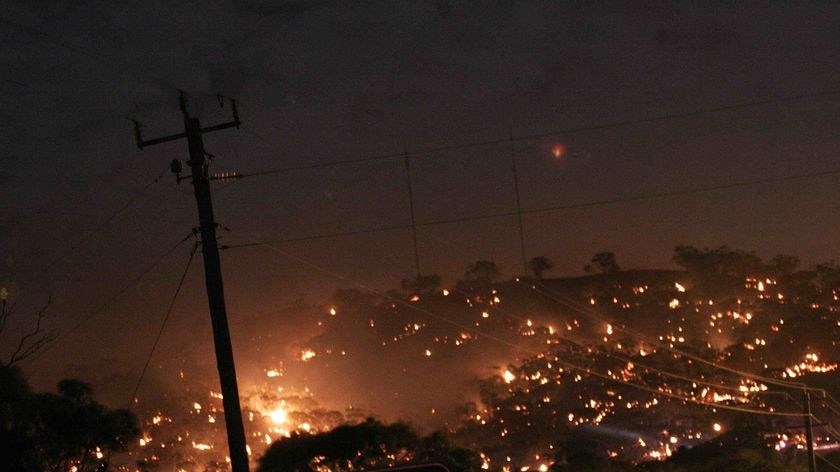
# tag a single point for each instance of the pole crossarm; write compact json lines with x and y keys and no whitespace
{"x":198,"y":164}
{"x":182,"y":102}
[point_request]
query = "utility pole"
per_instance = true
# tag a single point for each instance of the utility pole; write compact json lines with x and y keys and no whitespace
{"x":411,"y":208}
{"x":518,"y":202}
{"x":199,"y":162}
{"x":809,"y":433}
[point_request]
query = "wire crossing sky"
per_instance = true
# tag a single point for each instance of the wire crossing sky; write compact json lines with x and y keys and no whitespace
{"x":634,"y":129}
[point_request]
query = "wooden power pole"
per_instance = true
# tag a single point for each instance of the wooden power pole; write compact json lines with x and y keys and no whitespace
{"x":199,"y":162}
{"x":809,"y":433}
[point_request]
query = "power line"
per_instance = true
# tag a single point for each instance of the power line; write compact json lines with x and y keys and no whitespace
{"x":548,"y":209}
{"x":649,"y":368}
{"x":516,"y":346}
{"x":512,"y":138}
{"x":830,"y":464}
{"x":95,"y":230}
{"x":510,"y":314}
{"x":162,"y":327}
{"x":99,"y":310}
{"x":572,"y":304}
{"x":635,"y":363}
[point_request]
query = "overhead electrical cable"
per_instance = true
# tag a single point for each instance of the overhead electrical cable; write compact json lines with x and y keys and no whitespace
{"x":516,"y":346}
{"x":162,"y":327}
{"x":572,"y":304}
{"x":559,"y":132}
{"x":101,"y":308}
{"x":554,"y":208}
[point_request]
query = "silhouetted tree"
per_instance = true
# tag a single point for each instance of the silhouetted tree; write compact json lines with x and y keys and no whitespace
{"x":32,"y":340}
{"x":717,"y":262}
{"x":783,"y":265}
{"x":717,"y":272}
{"x":482,"y":271}
{"x":738,"y":450}
{"x":367,"y":445}
{"x":479,"y":275}
{"x":582,"y":452}
{"x":539,"y":265}
{"x":828,"y":276}
{"x":422,"y":283}
{"x":604,"y":262}
{"x":57,"y":432}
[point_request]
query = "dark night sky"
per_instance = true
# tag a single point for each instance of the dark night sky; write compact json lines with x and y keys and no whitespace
{"x":327,"y":81}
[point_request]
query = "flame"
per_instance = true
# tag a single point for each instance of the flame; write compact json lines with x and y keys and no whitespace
{"x":279,"y":416}
{"x":508,"y":376}
{"x":201,"y":446}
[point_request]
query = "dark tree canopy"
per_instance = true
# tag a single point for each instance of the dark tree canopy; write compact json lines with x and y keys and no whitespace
{"x":539,"y":265}
{"x":722,"y":261}
{"x":422,"y":283}
{"x":482,"y":271}
{"x":741,"y":450}
{"x":604,"y":263}
{"x":784,"y":265}
{"x":54,"y":432}
{"x":478,"y":277}
{"x":367,"y":445}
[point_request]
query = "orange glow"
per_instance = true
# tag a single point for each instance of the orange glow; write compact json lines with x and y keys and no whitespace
{"x":278,"y":416}
{"x":557,"y":150}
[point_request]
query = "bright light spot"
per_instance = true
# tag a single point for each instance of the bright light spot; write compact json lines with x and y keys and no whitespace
{"x":202,"y":446}
{"x":273,"y":373}
{"x":508,"y":376}
{"x":307,"y":355}
{"x":197,"y":406}
{"x":332,"y":311}
{"x":680,"y":287}
{"x":279,"y":416}
{"x":557,"y":150}
{"x":716,"y":427}
{"x":445,"y":292}
{"x":428,"y":353}
{"x":484,"y":314}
